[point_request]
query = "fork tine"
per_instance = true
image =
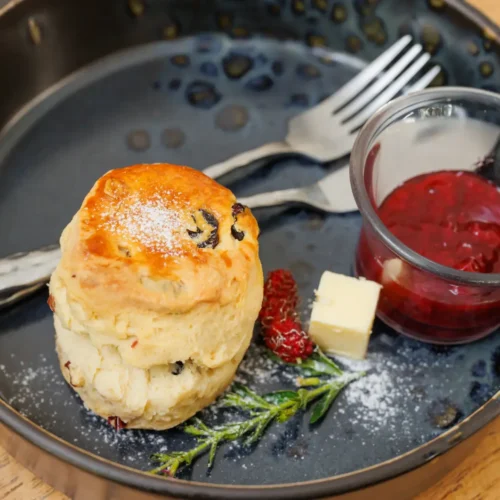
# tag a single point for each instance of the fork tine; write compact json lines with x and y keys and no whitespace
{"x":379,"y":85}
{"x":361,"y":80}
{"x":425,"y":81}
{"x":389,"y":93}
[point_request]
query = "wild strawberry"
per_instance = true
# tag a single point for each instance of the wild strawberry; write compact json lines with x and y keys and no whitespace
{"x":280,"y":298}
{"x":288,"y":341}
{"x":280,"y":283}
{"x":281,"y":327}
{"x":276,"y":308}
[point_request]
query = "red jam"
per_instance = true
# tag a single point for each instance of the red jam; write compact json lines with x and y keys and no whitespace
{"x":452,"y":218}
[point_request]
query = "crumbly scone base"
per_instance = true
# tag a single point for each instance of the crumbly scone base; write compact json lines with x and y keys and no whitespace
{"x":143,"y":399}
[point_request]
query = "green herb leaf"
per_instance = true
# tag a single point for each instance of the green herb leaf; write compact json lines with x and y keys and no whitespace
{"x":320,"y":364}
{"x":213,"y":451}
{"x":303,"y":397}
{"x":260,"y":428}
{"x":280,"y":397}
{"x":322,"y":406}
{"x":287,"y":414}
{"x":321,"y":384}
{"x":192,"y":430}
{"x":250,"y":398}
{"x":317,"y":364}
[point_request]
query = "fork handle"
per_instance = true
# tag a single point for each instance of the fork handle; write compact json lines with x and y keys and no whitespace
{"x":243,"y":159}
{"x":23,"y":273}
{"x":274,"y":198}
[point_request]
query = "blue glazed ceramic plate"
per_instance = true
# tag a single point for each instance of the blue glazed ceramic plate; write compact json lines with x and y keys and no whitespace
{"x":227,"y":78}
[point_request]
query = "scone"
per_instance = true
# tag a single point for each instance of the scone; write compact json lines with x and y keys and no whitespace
{"x":156,"y":294}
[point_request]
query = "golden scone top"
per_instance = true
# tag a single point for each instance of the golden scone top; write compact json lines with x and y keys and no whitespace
{"x":161,"y":211}
{"x":158,"y":237}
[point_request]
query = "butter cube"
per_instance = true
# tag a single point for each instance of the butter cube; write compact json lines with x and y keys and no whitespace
{"x":343,"y":314}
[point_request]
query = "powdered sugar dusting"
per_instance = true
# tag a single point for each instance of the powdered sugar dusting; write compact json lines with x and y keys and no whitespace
{"x":138,"y":442}
{"x":38,"y":392}
{"x":35,"y":389}
{"x":258,"y":368}
{"x":150,"y":223}
{"x":374,"y":399}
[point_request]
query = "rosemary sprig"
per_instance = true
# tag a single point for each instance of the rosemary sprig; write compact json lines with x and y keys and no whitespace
{"x":323,"y":383}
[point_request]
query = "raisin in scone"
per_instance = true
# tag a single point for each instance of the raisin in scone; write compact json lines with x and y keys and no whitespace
{"x":156,"y":294}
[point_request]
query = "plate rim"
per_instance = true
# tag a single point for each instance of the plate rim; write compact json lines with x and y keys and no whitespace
{"x":343,"y":483}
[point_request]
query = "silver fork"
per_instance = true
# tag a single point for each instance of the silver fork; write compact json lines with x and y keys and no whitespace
{"x":324,"y":195}
{"x":327,"y":131}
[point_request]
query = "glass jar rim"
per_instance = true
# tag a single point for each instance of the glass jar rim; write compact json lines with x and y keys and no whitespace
{"x":398,"y":108}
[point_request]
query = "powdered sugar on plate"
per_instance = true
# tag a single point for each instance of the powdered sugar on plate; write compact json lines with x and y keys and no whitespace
{"x":30,"y":386}
{"x":139,"y":444}
{"x":258,"y":369}
{"x":38,"y":392}
{"x":373,"y":399}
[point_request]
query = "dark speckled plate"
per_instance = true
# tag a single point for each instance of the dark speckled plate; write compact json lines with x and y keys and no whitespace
{"x":228,"y":78}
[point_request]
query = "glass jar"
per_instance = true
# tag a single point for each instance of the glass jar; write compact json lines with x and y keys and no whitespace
{"x":448,"y":128}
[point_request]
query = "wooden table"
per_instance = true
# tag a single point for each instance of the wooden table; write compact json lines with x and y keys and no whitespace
{"x":478,"y":478}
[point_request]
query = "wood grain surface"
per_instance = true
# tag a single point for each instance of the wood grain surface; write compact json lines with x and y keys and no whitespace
{"x":478,"y":478}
